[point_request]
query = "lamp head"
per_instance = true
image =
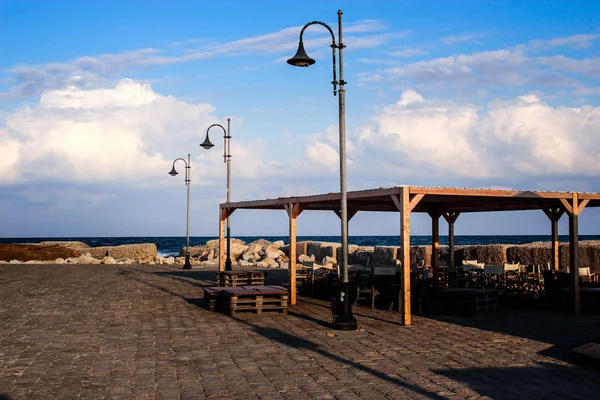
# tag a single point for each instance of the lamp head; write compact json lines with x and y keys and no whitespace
{"x":207,"y":143}
{"x":301,"y":59}
{"x":173,"y":172}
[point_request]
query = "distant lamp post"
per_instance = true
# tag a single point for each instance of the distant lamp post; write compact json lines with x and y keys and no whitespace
{"x":226,"y":159}
{"x":345,"y":320}
{"x":173,"y":172}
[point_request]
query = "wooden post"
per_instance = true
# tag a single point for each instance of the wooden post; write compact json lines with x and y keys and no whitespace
{"x":574,"y":256}
{"x":222,"y":219}
{"x":293,"y":210}
{"x":574,"y":209}
{"x":405,"y":204}
{"x":451,"y":218}
{"x":554,"y":215}
{"x":404,"y":295}
{"x":435,"y":248}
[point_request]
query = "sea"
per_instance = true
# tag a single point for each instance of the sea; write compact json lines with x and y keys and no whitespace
{"x":171,"y":245}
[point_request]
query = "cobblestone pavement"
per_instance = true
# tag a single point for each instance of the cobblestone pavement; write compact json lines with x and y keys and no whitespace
{"x":122,"y":331}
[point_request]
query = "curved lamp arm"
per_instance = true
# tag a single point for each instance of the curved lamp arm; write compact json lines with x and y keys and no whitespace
{"x":173,"y":172}
{"x":225,"y":137}
{"x":333,"y":47}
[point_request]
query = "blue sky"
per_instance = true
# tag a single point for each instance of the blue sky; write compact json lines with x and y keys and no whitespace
{"x":98,"y":98}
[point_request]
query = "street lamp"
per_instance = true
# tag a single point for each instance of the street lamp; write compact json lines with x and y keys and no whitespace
{"x":345,"y":320}
{"x":173,"y":172}
{"x":226,"y":159}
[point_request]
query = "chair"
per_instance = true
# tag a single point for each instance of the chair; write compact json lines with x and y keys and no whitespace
{"x":586,"y":275}
{"x":456,"y":276}
{"x":511,"y":267}
{"x":494,"y":276}
{"x":469,"y":265}
{"x":419,"y":293}
{"x":365,"y":286}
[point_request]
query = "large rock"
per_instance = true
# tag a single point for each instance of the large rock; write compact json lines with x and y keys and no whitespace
{"x":133,"y":251}
{"x":352,"y":248}
{"x":385,"y":255}
{"x":301,"y":248}
{"x":420,"y":255}
{"x":80,"y":246}
{"x":494,"y":254}
{"x":530,"y":254}
{"x":322,"y":249}
{"x":195,"y":251}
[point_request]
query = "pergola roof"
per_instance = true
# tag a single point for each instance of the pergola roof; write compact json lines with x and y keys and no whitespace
{"x":432,"y":199}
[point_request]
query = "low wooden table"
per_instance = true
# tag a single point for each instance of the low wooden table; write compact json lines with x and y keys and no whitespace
{"x":255,"y":299}
{"x":241,"y":278}
{"x":469,"y":300}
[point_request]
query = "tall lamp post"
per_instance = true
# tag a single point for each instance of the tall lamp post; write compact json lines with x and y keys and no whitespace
{"x":173,"y":172}
{"x":226,"y":159}
{"x":344,"y":320}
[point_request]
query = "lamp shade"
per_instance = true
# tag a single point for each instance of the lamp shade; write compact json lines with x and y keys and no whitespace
{"x":301,"y":59}
{"x":173,"y":172}
{"x":207,"y":143}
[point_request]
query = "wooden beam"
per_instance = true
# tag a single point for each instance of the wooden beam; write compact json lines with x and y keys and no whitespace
{"x":554,"y":215}
{"x":568,"y":207}
{"x":451,"y":218}
{"x":555,"y":243}
{"x":222,"y":219}
{"x":404,"y":293}
{"x":582,"y":205}
{"x":574,"y":254}
{"x":414,"y":200}
{"x":396,"y":202}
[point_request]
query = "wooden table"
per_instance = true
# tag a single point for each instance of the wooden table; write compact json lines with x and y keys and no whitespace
{"x":241,"y":278}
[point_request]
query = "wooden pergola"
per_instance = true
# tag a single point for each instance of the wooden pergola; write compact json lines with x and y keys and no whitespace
{"x":448,"y":203}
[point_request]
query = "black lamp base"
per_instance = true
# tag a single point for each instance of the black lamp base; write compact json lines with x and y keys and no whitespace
{"x":187,"y":264}
{"x":344,"y":321}
{"x":228,"y":266}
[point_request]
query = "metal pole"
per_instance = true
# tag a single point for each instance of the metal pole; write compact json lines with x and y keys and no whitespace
{"x":345,"y":320}
{"x":228,"y":266}
{"x":187,"y":264}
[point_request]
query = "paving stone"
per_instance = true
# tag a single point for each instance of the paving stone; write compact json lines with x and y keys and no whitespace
{"x":136,"y":331}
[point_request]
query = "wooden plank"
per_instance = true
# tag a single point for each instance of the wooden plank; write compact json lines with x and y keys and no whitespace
{"x":222,"y":219}
{"x":404,"y":293}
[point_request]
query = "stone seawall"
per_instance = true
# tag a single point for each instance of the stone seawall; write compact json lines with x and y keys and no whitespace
{"x":262,"y":253}
{"x":529,"y":254}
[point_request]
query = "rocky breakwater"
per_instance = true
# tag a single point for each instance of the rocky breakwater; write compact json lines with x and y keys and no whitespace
{"x":260,"y":253}
{"x":263,"y":253}
{"x":81,"y":253}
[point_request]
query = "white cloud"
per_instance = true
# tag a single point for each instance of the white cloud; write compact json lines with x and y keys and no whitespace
{"x":100,"y":135}
{"x":407,"y":52}
{"x":465,"y":37}
{"x":92,"y":71}
{"x":501,"y":143}
{"x":576,"y":41}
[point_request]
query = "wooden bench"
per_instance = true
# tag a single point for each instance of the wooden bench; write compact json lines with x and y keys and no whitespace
{"x":254,"y":299}
{"x":212,"y":296}
{"x":241,"y":278}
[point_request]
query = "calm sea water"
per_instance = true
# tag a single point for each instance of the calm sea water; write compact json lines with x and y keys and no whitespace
{"x":170,"y":245}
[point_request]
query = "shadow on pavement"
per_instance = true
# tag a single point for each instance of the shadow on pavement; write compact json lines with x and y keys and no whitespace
{"x":528,"y":382}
